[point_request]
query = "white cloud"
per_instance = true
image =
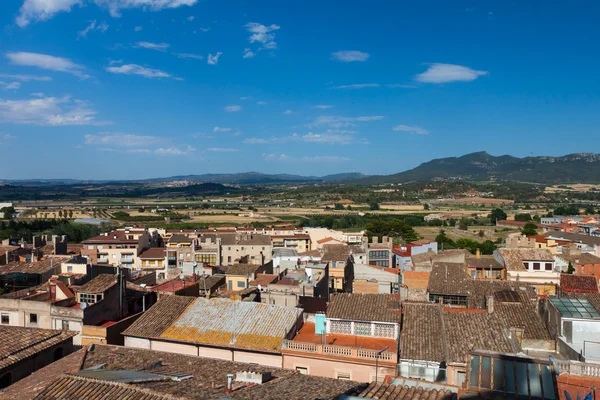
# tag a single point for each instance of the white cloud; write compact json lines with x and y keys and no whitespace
{"x":10,"y":85}
{"x":288,"y":112}
{"x":357,"y":86}
{"x":138,"y":28}
{"x":350,"y":56}
{"x":261,"y":140}
{"x":41,"y":10}
{"x":338,"y":121}
{"x":233,"y":108}
{"x":102,"y":27}
{"x":262,"y":103}
{"x":7,"y":136}
{"x":219,"y":129}
{"x":203,"y":136}
{"x":248,"y":53}
{"x":52,"y":111}
{"x":246,"y":98}
{"x":401,"y":85}
{"x":213,"y":60}
{"x":115,"y":6}
{"x":411,"y":129}
{"x":174,"y":151}
{"x":25,"y":78}
{"x":262,"y":34}
{"x":330,"y":136}
{"x":318,"y":159}
{"x":222,"y":149}
{"x":134,"y":69}
{"x":38,"y":94}
{"x":444,"y":73}
{"x":190,"y":18}
{"x":119,"y":139}
{"x":48,"y":62}
{"x":323,"y":106}
{"x":153,"y":46}
{"x":189,"y":55}
{"x":238,"y":133}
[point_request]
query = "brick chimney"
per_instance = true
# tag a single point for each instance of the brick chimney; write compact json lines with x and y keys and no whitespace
{"x":490,"y":304}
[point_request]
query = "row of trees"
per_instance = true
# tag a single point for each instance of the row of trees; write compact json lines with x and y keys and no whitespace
{"x":445,"y":242}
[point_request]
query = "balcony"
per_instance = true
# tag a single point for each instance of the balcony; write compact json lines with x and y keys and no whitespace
{"x":127,"y":260}
{"x":340,"y":351}
{"x":102,"y":260}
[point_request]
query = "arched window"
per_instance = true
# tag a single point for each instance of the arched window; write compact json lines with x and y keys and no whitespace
{"x":6,"y":380}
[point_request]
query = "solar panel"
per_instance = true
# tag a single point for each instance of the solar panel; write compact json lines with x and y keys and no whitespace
{"x":575,"y":308}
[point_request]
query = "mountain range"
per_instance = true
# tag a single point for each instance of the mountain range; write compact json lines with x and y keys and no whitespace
{"x":479,"y":166}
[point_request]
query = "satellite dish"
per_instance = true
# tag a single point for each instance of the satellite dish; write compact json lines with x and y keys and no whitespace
{"x":259,"y":288}
{"x":181,"y":276}
{"x":83,"y":306}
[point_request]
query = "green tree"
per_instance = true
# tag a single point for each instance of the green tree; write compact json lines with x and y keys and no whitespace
{"x":570,"y":269}
{"x":481,"y":233}
{"x":374,"y":206}
{"x":349,"y":208}
{"x":338,"y":206}
{"x":463,"y":224}
{"x":444,"y":241}
{"x":60,"y":213}
{"x":589,"y":210}
{"x":497,"y":215}
{"x":529,"y":229}
{"x":523,"y":217}
{"x":141,"y":209}
{"x":426,"y":206}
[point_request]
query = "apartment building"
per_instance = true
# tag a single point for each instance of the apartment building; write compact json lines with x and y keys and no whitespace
{"x":119,"y":247}
{"x":248,"y":248}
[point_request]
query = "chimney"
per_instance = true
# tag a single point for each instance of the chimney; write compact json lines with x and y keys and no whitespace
{"x":229,"y":388}
{"x":478,"y":253}
{"x":490,"y":304}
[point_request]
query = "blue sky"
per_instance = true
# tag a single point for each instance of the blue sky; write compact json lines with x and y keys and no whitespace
{"x":111,"y":89}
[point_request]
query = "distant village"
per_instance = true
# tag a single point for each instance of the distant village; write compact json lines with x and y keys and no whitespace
{"x":300,"y":312}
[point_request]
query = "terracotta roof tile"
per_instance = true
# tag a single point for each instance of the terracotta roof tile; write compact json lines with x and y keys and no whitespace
{"x":159,"y":317}
{"x":154,"y":253}
{"x":386,"y":391}
{"x":365,"y":307}
{"x":37,"y":267}
{"x":335,"y":252}
{"x":579,"y":283}
{"x":513,"y":258}
{"x":421,"y":337}
{"x":99,"y":284}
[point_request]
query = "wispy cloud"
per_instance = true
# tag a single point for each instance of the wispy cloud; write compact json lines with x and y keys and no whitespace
{"x":92,"y":27}
{"x":6,"y":137}
{"x":338,"y":121}
{"x":47,"y":62}
{"x":119,"y":139}
{"x":222,"y":149}
{"x":49,"y":111}
{"x":190,"y":18}
{"x":262,"y":34}
{"x":248,"y":53}
{"x":189,"y":56}
{"x":10,"y":85}
{"x":357,"y":86}
{"x":261,"y":140}
{"x":41,"y":10}
{"x":444,"y":73}
{"x":350,"y":56}
{"x":323,"y":106}
{"x":262,"y":103}
{"x":401,"y":85}
{"x":410,"y":129}
{"x":153,"y":46}
{"x":138,"y":28}
{"x":174,"y":151}
{"x":134,"y":69}
{"x":288,"y":112}
{"x":221,"y":129}
{"x":214,"y":59}
{"x":317,"y":159}
{"x":233,"y":108}
{"x":329,"y":136}
{"x":25,"y":78}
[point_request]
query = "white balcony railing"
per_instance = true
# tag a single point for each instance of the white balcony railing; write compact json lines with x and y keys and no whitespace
{"x":340,"y":351}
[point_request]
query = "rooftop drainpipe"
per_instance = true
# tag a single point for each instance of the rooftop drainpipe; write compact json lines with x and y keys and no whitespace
{"x":229,"y":388}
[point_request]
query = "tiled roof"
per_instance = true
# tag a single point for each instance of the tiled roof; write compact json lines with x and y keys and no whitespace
{"x":312,"y":305}
{"x":579,"y":259}
{"x":159,"y":317}
{"x":335,"y":252}
{"x":579,"y":283}
{"x":179,"y":238}
{"x":37,"y":267}
{"x":111,"y":237}
{"x":326,"y":239}
{"x":386,"y":391}
{"x":245,"y":239}
{"x":99,"y":284}
{"x":222,"y":322}
{"x":154,"y":253}
{"x":365,"y":307}
{"x":485,"y":262}
{"x":211,"y":282}
{"x":241,"y":269}
{"x":448,"y":278}
{"x":575,"y":237}
{"x":264,"y":279}
{"x":423,"y":258}
{"x":18,"y":343}
{"x":513,"y":258}
{"x":421,"y":337}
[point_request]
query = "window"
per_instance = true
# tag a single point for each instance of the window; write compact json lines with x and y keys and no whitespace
{"x":343,"y":327}
{"x":345,"y":376}
{"x":90,"y":247}
{"x":65,"y":325}
{"x":536,"y":266}
{"x":384,"y":330}
{"x":5,"y":319}
{"x":210,"y":259}
{"x":69,"y":268}
{"x":548,"y":267}
{"x":362,"y":328}
{"x":241,"y":284}
{"x":33,"y":319}
{"x":242,"y":248}
{"x":87,"y":298}
{"x":302,"y":370}
{"x":228,"y":258}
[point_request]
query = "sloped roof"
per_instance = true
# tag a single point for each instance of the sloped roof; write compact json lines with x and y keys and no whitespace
{"x":422,"y":336}
{"x":365,"y":307}
{"x":37,"y":267}
{"x":579,"y":283}
{"x":179,"y":238}
{"x":99,"y":284}
{"x":18,"y":343}
{"x":513,"y":258}
{"x":245,"y":239}
{"x":219,"y":322}
{"x":485,"y":262}
{"x":116,"y":236}
{"x":153,"y":253}
{"x":579,"y":259}
{"x":240,"y":269}
{"x":162,"y":315}
{"x":335,"y":252}
{"x":387,"y":391}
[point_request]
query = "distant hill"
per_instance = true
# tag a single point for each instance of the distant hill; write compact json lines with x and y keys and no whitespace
{"x":481,"y":166}
{"x":257,"y":178}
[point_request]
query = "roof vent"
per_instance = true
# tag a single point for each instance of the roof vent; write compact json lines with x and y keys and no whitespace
{"x":253,"y":377}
